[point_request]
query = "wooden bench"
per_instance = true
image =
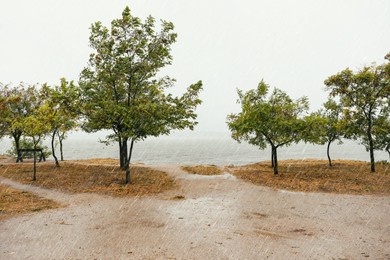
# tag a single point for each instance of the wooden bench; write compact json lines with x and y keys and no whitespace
{"x":21,"y":151}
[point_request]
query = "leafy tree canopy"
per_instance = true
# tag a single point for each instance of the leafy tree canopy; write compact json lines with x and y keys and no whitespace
{"x":363,"y":95}
{"x":327,"y":125}
{"x":277,"y":120}
{"x":20,"y":101}
{"x":120,"y":88}
{"x":381,"y":131}
{"x":62,"y":101}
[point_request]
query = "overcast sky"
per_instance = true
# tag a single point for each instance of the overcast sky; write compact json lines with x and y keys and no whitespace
{"x":292,"y":45}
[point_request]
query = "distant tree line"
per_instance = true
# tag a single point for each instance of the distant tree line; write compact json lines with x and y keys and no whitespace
{"x":358,"y":108}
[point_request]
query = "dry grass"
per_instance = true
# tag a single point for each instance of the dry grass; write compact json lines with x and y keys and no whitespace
{"x":99,"y":161}
{"x":81,"y":177}
{"x":203,"y":169}
{"x":14,"y":202}
{"x":177,"y":197}
{"x":352,"y":177}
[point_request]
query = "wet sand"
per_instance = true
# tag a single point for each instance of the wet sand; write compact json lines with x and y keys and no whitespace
{"x":220,"y":217}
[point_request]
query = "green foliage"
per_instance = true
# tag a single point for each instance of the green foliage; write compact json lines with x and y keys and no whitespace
{"x":120,"y":89}
{"x":277,"y":120}
{"x":381,"y":131}
{"x":21,"y":101}
{"x":326,"y":125}
{"x":383,"y":162}
{"x":28,"y":114}
{"x":4,"y":112}
{"x":62,"y":101}
{"x":27,"y":143}
{"x":37,"y":124}
{"x":27,"y":111}
{"x":381,"y":128}
{"x":364,"y":95}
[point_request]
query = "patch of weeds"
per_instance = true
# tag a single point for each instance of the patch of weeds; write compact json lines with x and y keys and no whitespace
{"x":384,"y":162}
{"x":203,"y":169}
{"x":178,"y":197}
{"x":79,"y":177}
{"x":351,"y":177}
{"x":14,"y":202}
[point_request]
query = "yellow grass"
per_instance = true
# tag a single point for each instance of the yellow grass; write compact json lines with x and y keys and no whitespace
{"x":203,"y":169}
{"x":84,"y":177}
{"x":14,"y":202}
{"x":100,"y":161}
{"x":353,"y":177}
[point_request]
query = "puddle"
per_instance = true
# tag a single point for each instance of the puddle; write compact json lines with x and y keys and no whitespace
{"x":225,"y":176}
{"x":203,"y":210}
{"x":292,"y":192}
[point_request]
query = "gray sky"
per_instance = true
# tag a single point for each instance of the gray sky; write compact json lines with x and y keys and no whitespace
{"x":292,"y":45}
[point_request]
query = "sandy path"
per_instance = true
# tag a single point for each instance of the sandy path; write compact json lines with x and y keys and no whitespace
{"x":220,"y":218}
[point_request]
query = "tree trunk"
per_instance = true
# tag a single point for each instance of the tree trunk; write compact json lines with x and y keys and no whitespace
{"x":17,"y":140}
{"x":122,"y":152}
{"x":272,"y":158}
{"x":388,"y":151}
{"x":124,"y":149}
{"x":61,"y":151}
{"x":60,"y":139}
{"x":53,"y":149}
{"x":372,"y":159}
{"x":327,"y":152}
{"x":121,"y":162}
{"x":16,"y":137}
{"x":128,"y":177}
{"x":35,"y":160}
{"x":35,"y":165}
{"x":276,"y":170}
{"x":371,"y":143}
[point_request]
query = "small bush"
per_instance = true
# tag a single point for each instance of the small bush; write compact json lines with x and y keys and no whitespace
{"x":27,"y":143}
{"x":384,"y":162}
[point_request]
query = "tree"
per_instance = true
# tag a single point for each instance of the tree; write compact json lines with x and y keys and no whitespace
{"x":22,"y":101}
{"x":36,"y":126}
{"x":381,"y":131}
{"x":52,"y":116}
{"x":382,"y":127}
{"x":120,"y":90}
{"x":328,"y":127}
{"x":62,"y":117}
{"x":27,"y":143}
{"x":363,"y":94}
{"x":68,"y":98}
{"x":4,"y":113}
{"x":277,"y":120}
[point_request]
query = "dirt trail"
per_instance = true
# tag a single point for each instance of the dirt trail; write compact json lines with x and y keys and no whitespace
{"x":219,"y":218}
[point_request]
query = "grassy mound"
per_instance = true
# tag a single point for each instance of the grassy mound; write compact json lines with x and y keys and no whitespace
{"x":203,"y":169}
{"x":90,"y":177}
{"x":352,"y":177}
{"x":14,"y":202}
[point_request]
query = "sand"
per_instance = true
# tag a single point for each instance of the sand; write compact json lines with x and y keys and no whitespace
{"x":220,"y":217}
